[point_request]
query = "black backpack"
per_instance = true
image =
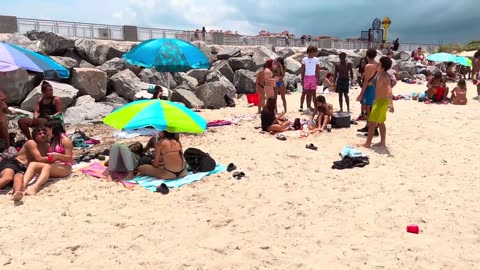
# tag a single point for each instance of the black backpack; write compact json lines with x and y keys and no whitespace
{"x":199,"y":161}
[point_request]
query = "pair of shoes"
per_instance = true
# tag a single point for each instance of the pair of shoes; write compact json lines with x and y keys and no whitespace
{"x":311,"y":146}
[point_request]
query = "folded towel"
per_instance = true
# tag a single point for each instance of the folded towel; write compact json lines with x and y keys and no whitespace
{"x":348,"y":151}
{"x":151,"y":183}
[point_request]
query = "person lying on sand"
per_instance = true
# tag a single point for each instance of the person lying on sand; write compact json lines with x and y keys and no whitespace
{"x":270,"y":122}
{"x":13,"y":169}
{"x":437,"y":90}
{"x":324,"y":111}
{"x":124,"y":159}
{"x":60,"y":159}
{"x":168,"y":162}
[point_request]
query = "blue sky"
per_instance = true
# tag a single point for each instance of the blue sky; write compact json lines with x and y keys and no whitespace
{"x":412,"y":21}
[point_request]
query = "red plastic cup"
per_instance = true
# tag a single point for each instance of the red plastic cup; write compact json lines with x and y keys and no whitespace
{"x":413,"y":229}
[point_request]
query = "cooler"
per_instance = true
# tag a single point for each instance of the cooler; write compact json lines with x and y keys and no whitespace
{"x":341,"y":120}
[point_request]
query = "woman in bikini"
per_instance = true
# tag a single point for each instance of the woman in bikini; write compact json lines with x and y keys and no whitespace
{"x":60,"y":159}
{"x":279,"y":72}
{"x":169,"y":162}
{"x":259,"y":85}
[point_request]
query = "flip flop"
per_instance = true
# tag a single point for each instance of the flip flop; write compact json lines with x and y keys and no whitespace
{"x":231,"y":167}
{"x":311,"y":146}
{"x":163,"y":189}
{"x":238,"y":175}
{"x":281,"y":137}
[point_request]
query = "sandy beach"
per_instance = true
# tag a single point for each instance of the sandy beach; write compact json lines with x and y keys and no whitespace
{"x":291,"y":211}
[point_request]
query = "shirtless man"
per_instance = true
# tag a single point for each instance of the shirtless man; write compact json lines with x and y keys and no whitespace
{"x":4,"y":120}
{"x":343,"y":80}
{"x":476,"y":71}
{"x":12,"y":169}
{"x":382,"y":104}
{"x":367,"y":95}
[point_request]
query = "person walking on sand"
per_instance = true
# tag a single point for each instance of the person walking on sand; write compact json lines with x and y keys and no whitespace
{"x":310,"y":73}
{"x":367,"y":95}
{"x":382,"y":104}
{"x":342,"y":70}
{"x":476,"y":72}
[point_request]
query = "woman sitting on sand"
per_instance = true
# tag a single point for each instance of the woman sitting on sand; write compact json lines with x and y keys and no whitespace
{"x":60,"y":156}
{"x":168,"y":162}
{"x":328,"y":84}
{"x":270,"y":122}
{"x":437,"y":89}
{"x":124,"y":159}
{"x":459,"y":93}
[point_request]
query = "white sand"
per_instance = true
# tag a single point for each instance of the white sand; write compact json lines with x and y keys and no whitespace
{"x":291,"y":212}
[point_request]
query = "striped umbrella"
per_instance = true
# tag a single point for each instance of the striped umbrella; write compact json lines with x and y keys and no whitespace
{"x":160,"y":114}
{"x":18,"y":56}
{"x":4,"y":67}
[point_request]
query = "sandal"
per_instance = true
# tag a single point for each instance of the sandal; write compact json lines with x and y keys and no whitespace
{"x":231,"y":167}
{"x":281,"y":137}
{"x":238,"y":175}
{"x":311,"y":146}
{"x":163,"y":189}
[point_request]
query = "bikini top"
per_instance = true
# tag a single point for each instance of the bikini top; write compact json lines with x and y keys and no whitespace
{"x":59,"y":148}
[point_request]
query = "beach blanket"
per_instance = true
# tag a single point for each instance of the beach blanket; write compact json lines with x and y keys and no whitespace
{"x":99,"y":170}
{"x":151,"y":183}
{"x":128,"y":134}
{"x":218,"y":123}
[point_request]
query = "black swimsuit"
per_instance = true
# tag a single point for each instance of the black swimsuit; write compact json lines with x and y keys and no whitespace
{"x":47,"y":110}
{"x":177,"y":174}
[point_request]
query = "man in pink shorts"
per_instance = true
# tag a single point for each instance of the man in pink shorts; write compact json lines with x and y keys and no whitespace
{"x":310,"y":73}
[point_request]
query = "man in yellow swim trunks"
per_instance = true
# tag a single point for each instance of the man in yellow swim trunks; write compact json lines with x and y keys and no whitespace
{"x":383,"y":103}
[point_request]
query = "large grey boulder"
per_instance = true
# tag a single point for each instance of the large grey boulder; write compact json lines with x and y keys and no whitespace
{"x":98,"y":52}
{"x":184,"y":81}
{"x":402,"y":75}
{"x":88,"y":112}
{"x":408,"y":67}
{"x":262,"y":54}
{"x":213,"y":94}
{"x":152,"y":76}
{"x":293,"y":66}
{"x":199,"y":74}
{"x":229,"y":52}
{"x":114,"y":98}
{"x":186,"y":97}
{"x":223,"y":68}
{"x":403,"y":55}
{"x":126,"y":84}
{"x":285,"y":53}
{"x":65,"y":92}
{"x":244,"y":62}
{"x":216,"y":76}
{"x":205,"y":49}
{"x":113,"y":66}
{"x":51,"y":43}
{"x":80,"y":101}
{"x":15,"y":85}
{"x":21,"y":40}
{"x":245,"y":81}
{"x":90,"y":81}
{"x":67,"y":62}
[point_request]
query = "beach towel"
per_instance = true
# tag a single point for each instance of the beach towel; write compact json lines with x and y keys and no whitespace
{"x":348,"y":151}
{"x":151,"y":183}
{"x":129,"y":134}
{"x":218,"y":123}
{"x":98,"y":170}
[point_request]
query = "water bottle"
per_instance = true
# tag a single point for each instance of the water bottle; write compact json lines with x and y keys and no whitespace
{"x":305,"y":130}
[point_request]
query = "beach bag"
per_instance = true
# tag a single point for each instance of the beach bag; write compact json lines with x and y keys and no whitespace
{"x":296,"y":124}
{"x":199,"y":161}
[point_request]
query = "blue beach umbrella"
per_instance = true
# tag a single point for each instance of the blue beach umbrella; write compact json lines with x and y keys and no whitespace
{"x":14,"y":55}
{"x":441,"y":57}
{"x":464,"y":61}
{"x":167,"y":55}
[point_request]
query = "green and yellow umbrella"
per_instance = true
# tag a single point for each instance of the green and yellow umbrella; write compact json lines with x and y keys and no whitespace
{"x":160,"y":114}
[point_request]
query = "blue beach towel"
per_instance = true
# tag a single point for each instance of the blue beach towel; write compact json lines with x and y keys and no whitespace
{"x":351,"y":152}
{"x":151,"y":183}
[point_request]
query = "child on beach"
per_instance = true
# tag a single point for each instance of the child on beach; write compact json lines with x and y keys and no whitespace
{"x":310,"y":73}
{"x":459,"y":93}
{"x":382,"y":104}
{"x":367,"y":95}
{"x":437,"y":89}
{"x":342,"y":70}
{"x":324,"y":111}
{"x":328,"y":85}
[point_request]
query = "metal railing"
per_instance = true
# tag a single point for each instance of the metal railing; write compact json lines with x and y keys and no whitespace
{"x":115,"y":32}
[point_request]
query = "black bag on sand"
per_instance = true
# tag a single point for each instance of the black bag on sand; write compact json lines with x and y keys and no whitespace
{"x":199,"y":161}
